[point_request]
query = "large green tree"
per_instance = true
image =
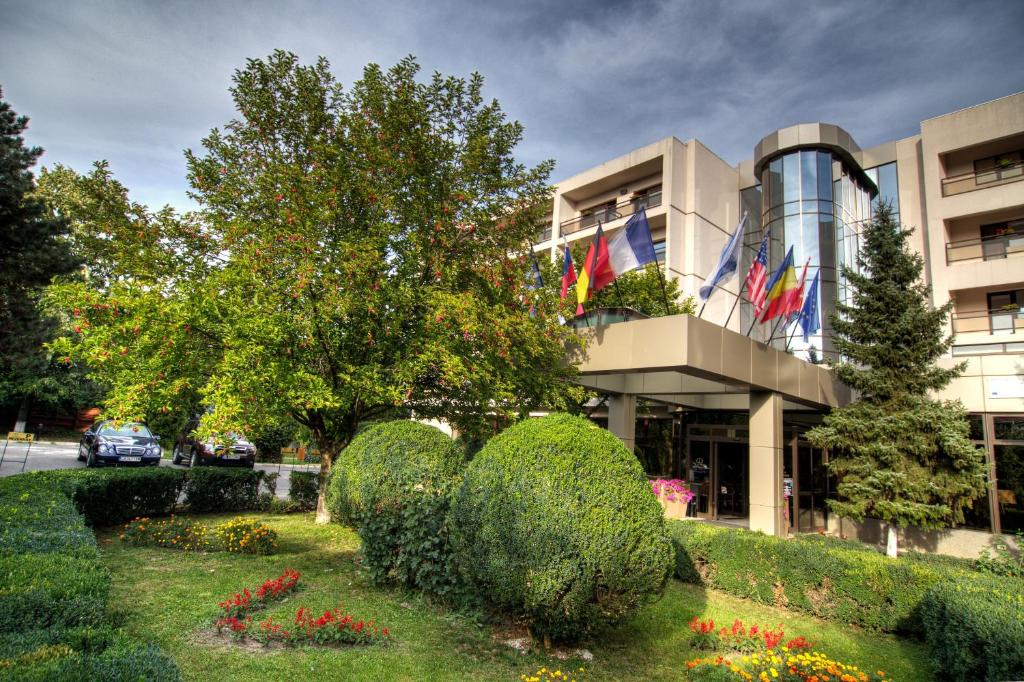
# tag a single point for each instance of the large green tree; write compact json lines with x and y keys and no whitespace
{"x":356,"y":251}
{"x":901,"y":455}
{"x":33,"y":249}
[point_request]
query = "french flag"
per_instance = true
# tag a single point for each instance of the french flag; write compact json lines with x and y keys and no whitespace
{"x":633,"y":247}
{"x":568,"y":271}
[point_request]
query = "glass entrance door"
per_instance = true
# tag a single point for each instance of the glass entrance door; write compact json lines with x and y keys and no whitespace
{"x":730,"y":475}
{"x":810,"y":487}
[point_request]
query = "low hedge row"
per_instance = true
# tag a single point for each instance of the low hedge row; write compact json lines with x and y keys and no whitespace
{"x":975,"y":630}
{"x":53,"y":599}
{"x":826,"y":578}
{"x":304,"y":488}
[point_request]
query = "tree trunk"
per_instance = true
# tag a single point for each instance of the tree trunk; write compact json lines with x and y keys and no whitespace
{"x":891,"y":542}
{"x":326,"y":459}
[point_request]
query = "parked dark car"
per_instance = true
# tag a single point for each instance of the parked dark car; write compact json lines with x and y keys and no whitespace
{"x":129,"y":443}
{"x":236,"y":451}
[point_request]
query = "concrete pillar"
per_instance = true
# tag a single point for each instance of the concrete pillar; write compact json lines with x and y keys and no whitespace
{"x":766,"y":501}
{"x":622,"y":418}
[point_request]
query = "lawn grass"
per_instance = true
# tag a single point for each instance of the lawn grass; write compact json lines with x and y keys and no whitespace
{"x":169,"y":597}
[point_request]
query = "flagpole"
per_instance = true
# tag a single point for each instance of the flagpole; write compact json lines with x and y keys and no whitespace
{"x":791,"y":337}
{"x":735,"y":303}
{"x":664,"y":296}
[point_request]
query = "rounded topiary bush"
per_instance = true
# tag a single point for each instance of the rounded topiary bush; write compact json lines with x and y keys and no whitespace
{"x":555,"y":521}
{"x":393,"y":483}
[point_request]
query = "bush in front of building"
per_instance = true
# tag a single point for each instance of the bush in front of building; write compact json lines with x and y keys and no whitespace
{"x":975,"y":630}
{"x":393,"y":483}
{"x":829,"y":578}
{"x":555,"y":522}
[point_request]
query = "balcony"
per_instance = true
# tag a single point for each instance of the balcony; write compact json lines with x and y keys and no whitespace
{"x":1002,"y":174}
{"x":1008,"y":320}
{"x":607,"y":213}
{"x":994,"y":247}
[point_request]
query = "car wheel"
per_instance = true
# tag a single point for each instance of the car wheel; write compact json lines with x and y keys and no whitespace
{"x":90,"y":460}
{"x":251,"y":464}
{"x":176,"y":457}
{"x":80,"y":458}
{"x":194,"y":461}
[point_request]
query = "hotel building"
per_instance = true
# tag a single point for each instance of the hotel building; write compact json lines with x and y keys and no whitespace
{"x":701,"y":399}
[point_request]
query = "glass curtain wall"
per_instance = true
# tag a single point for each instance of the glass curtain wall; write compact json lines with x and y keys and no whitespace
{"x":813,"y":203}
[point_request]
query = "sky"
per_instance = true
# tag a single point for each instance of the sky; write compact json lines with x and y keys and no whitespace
{"x":138,"y":82}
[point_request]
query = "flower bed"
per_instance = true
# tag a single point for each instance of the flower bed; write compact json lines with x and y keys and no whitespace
{"x":332,"y":628}
{"x":780,"y":665}
{"x":741,"y":638}
{"x":238,"y":535}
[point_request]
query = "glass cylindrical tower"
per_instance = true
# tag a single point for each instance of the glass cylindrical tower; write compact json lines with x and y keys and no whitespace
{"x":814,"y":198}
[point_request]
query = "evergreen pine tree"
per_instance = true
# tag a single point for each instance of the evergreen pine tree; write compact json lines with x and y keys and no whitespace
{"x":900,"y":455}
{"x":32,"y":251}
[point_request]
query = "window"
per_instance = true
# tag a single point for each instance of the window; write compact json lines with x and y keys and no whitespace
{"x":1001,"y":239}
{"x":999,"y":167}
{"x":1005,"y":310}
{"x":659,"y":251}
{"x":602,"y":212}
{"x":648,"y":198}
{"x":543,"y":232}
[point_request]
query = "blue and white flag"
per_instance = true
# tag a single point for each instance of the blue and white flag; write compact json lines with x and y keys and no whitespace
{"x":727,"y":263}
{"x":633,"y":246}
{"x":809,"y":318}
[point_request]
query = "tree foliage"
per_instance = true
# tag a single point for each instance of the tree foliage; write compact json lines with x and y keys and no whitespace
{"x":356,"y":251}
{"x":900,"y":455}
{"x":32,"y":250}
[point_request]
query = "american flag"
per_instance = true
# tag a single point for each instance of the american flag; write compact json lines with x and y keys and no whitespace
{"x":757,"y":277}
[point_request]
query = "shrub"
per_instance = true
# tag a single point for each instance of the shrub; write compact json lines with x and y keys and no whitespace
{"x":37,"y":517}
{"x":245,"y":536}
{"x":393,"y":482}
{"x":304,"y":488}
{"x":219,"y":490}
{"x":831,"y":579}
{"x":975,"y":631}
{"x":43,"y":590}
{"x":556,"y":521}
{"x":109,"y":497}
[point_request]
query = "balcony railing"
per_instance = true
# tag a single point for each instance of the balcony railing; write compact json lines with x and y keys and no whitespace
{"x":1001,"y":321}
{"x":986,"y":248}
{"x":543,"y":234}
{"x":990,"y":177}
{"x":606,"y":214}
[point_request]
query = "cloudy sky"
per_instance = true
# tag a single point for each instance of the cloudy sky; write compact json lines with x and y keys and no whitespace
{"x":137,"y":82}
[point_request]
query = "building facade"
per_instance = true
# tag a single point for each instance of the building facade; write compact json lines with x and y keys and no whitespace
{"x":959,"y":183}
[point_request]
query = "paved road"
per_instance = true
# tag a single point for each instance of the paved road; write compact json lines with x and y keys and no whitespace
{"x":45,"y":456}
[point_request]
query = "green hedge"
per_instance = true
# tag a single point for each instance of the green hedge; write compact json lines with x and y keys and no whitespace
{"x":555,"y":522}
{"x":53,"y":588}
{"x":304,"y":488}
{"x":210,"y":489}
{"x":831,"y":579}
{"x":975,"y":630}
{"x":118,"y":495}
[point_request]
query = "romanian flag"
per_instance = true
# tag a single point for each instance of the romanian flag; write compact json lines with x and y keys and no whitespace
{"x":568,"y":271}
{"x":597,"y":270}
{"x":782,"y":290}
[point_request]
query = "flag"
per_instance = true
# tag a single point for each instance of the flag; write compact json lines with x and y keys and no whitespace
{"x":780,"y":289}
{"x":633,"y":246}
{"x":568,"y":270}
{"x":757,"y":276}
{"x":796,"y":302}
{"x":727,"y":262}
{"x":809,"y":318}
{"x":534,"y":280}
{"x":597,"y":271}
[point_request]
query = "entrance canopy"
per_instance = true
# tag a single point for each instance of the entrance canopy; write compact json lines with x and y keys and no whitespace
{"x":682,"y":360}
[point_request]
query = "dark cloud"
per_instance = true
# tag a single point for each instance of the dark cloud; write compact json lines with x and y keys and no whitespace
{"x":137,"y":82}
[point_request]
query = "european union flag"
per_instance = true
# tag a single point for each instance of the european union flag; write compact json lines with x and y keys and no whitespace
{"x":810,"y":318}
